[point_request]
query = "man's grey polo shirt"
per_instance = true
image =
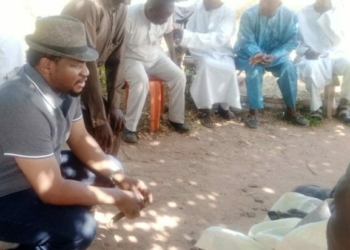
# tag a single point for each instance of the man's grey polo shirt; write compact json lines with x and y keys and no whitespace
{"x":32,"y":125}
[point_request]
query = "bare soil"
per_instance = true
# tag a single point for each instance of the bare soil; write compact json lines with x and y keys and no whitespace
{"x":228,"y":176}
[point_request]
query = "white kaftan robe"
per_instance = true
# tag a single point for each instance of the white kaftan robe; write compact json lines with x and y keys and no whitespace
{"x":283,"y":234}
{"x":11,"y":38}
{"x":322,"y":33}
{"x":208,"y":35}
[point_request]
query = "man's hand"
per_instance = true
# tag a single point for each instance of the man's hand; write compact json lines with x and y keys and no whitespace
{"x":131,"y":184}
{"x":311,"y":54}
{"x":116,"y":119}
{"x":104,"y":137}
{"x":268,"y":59}
{"x":131,"y":204}
{"x":178,"y":34}
{"x":256,"y":59}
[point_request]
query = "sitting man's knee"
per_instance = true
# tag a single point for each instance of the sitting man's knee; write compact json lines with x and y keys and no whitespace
{"x":254,"y":71}
{"x":137,"y":78}
{"x":87,"y":231}
{"x":80,"y":233}
{"x":289,"y":66}
{"x":183,"y":78}
{"x":179,"y":76}
{"x":141,"y":84}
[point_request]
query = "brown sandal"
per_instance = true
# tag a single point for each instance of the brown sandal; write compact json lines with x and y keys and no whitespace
{"x":206,"y":118}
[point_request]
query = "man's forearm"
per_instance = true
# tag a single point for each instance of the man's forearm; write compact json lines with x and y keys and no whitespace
{"x":115,"y":82}
{"x":84,"y":146}
{"x":115,"y":71}
{"x":72,"y":192}
{"x":92,"y":97}
{"x":170,"y":44}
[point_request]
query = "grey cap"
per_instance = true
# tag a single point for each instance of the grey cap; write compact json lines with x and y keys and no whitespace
{"x":62,"y":36}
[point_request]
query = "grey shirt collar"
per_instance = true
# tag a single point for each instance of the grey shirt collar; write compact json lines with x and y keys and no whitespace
{"x":51,"y":97}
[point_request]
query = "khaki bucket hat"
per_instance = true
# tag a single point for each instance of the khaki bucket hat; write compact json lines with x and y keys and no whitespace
{"x":61,"y":36}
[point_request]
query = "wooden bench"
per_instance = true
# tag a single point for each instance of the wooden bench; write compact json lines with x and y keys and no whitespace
{"x":328,"y":100}
{"x":329,"y":95}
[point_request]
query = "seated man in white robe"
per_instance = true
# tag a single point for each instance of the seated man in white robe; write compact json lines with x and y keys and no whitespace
{"x":296,"y":222}
{"x":207,"y":35}
{"x":146,"y":24}
{"x":11,"y":38}
{"x":320,"y":55}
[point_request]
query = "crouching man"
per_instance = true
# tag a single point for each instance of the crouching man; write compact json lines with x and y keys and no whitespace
{"x":45,"y":194}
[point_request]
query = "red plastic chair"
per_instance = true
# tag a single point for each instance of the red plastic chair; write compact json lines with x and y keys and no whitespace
{"x":156,"y":89}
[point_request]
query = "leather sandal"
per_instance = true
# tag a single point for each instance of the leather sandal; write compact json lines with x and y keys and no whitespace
{"x":206,"y":118}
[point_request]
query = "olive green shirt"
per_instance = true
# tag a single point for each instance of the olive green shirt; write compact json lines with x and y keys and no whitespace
{"x":105,"y":26}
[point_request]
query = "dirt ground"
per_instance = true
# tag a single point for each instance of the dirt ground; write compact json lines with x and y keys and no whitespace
{"x":229,"y":176}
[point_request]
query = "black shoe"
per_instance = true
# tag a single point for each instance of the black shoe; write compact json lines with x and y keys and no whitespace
{"x":343,"y":115}
{"x":317,"y":115}
{"x":226,"y":114}
{"x":297,"y":119}
{"x":179,"y":127}
{"x":129,"y":136}
{"x":251,"y":121}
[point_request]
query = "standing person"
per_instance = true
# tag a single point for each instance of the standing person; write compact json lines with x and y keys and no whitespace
{"x":45,"y":194}
{"x":183,"y":11}
{"x":320,"y":55}
{"x":146,"y":24}
{"x":207,"y":35}
{"x":11,"y":37}
{"x":11,"y":55}
{"x":266,"y":37}
{"x":105,"y":27}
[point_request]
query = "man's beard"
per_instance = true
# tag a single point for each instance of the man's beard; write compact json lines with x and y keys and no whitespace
{"x":74,"y":94}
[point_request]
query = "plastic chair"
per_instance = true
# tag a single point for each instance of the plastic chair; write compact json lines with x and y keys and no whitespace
{"x":156,"y":89}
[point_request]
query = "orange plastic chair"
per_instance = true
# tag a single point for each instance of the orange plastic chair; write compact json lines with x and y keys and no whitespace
{"x":156,"y":89}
